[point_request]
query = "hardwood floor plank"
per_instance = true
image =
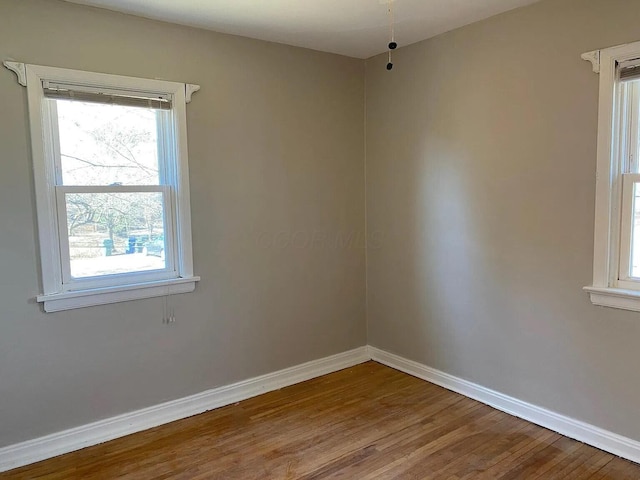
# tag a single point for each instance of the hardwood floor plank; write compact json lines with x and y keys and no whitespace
{"x":588,"y":461}
{"x":364,"y":422}
{"x":617,"y":469}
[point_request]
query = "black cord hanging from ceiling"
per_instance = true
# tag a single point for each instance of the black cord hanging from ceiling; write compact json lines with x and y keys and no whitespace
{"x":392,"y":44}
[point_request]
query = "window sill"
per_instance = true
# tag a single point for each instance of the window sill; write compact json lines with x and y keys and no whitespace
{"x":614,"y":298}
{"x":101,"y":296}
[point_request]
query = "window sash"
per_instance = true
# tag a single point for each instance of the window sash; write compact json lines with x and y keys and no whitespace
{"x":626,"y":127}
{"x":625,"y":278}
{"x":69,"y":283}
{"x":631,"y":151}
{"x":165,"y":143}
{"x":625,"y":150}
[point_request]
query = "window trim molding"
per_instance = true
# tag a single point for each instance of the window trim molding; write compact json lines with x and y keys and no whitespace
{"x":604,"y":290}
{"x":54,"y":297}
{"x":57,"y":302}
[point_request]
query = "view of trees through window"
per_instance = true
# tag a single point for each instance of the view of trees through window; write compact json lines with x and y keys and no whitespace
{"x":631,"y":91}
{"x":635,"y":244}
{"x":105,"y":145}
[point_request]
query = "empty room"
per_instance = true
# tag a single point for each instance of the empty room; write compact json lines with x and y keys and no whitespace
{"x":303,"y":239}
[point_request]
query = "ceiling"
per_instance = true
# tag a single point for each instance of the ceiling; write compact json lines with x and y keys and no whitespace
{"x":356,"y":28}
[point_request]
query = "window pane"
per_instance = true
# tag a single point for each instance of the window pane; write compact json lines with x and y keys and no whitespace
{"x":631,"y":90}
{"x":635,"y":238}
{"x":107,"y":144}
{"x":113,"y":233}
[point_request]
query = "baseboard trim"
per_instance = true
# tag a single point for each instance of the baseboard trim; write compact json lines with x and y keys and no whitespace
{"x":576,"y":429}
{"x":73,"y":439}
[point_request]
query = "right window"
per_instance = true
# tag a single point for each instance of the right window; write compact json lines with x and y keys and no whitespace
{"x":616,"y":267}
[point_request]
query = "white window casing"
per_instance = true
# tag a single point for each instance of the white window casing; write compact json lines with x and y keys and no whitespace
{"x":616,"y":177}
{"x":60,"y":290}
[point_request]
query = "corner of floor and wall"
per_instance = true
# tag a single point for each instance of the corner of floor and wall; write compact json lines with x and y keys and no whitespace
{"x":276,"y":142}
{"x":481,"y":163}
{"x":437,"y":218}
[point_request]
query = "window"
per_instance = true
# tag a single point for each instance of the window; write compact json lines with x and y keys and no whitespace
{"x":112,"y":192}
{"x":616,"y":268}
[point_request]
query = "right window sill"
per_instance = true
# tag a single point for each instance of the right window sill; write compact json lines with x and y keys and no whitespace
{"x":614,"y":297}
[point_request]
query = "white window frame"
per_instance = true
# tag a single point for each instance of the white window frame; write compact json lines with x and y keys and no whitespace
{"x":611,"y":285}
{"x":58,"y":292}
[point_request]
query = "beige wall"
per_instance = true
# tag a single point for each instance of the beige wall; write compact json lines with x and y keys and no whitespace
{"x":481,"y":153}
{"x":276,"y":146}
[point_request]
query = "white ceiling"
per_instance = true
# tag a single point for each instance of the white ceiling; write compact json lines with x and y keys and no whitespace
{"x":357,"y":28}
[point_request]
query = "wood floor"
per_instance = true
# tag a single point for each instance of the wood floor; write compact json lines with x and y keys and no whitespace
{"x":365,"y":422}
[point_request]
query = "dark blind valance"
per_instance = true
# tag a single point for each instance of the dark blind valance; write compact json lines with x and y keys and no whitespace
{"x":629,"y":70}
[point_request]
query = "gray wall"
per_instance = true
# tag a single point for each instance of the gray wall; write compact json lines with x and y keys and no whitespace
{"x":480,"y":192}
{"x":276,"y":144}
{"x":481,"y":154}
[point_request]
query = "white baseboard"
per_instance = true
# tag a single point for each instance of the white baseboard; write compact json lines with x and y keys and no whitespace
{"x":584,"y":432}
{"x":73,"y":439}
{"x":67,"y":441}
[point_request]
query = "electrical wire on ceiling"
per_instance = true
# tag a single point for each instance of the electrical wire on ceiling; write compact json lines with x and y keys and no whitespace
{"x":392,"y":43}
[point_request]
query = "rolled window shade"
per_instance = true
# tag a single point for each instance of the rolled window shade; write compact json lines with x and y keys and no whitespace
{"x":629,"y":70}
{"x":82,"y":93}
